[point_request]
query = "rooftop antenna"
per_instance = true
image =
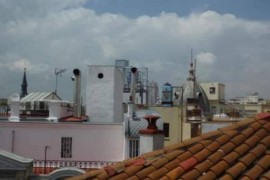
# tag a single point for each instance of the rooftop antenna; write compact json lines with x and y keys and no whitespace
{"x":58,"y":72}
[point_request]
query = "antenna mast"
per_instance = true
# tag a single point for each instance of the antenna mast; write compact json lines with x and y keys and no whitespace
{"x":58,"y":72}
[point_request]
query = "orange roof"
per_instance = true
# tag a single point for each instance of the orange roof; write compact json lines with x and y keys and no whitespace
{"x":241,"y":150}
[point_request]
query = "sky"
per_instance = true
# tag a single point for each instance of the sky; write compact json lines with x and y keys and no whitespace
{"x":230,"y":41}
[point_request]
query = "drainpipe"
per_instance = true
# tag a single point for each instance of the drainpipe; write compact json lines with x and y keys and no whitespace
{"x":13,"y":141}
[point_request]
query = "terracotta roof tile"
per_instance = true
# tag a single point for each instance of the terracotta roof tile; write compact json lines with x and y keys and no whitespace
{"x":231,"y":157}
{"x":193,"y":174}
{"x":208,"y":176}
{"x":211,"y":134}
{"x":217,"y":156}
{"x":171,"y":165}
{"x":248,"y":159}
{"x":248,"y":132}
{"x":202,"y":154}
{"x":220,"y":167}
{"x":160,"y":162}
{"x":153,"y":154}
{"x":258,"y":150}
{"x":189,"y":163}
{"x":227,"y":147}
{"x":255,"y":172}
{"x":194,"y":149}
{"x":264,"y":162}
{"x":184,"y":156}
{"x":143,"y":173}
{"x":120,"y":176}
{"x":239,"y":139}
{"x":226,"y":177}
{"x":266,"y":175}
{"x":175,"y":173}
{"x":239,"y":151}
{"x":205,"y":142}
{"x":133,"y":178}
{"x":132,"y":170}
{"x":204,"y":166}
{"x":230,"y":133}
{"x":266,"y":141}
{"x":252,"y":141}
{"x":173,"y":154}
{"x":237,"y":169}
{"x":242,"y":149}
{"x":222,"y":139}
{"x":213,"y":146}
{"x":267,"y":127}
{"x":255,"y":126}
{"x":261,"y":133}
{"x":158,"y":174}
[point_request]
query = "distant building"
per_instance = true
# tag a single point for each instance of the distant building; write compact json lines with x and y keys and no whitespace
{"x":215,"y":93}
{"x":153,"y":93}
{"x":250,"y":105}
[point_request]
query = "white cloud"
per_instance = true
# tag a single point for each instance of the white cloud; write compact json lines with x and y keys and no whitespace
{"x":64,"y":34}
{"x":206,"y":58}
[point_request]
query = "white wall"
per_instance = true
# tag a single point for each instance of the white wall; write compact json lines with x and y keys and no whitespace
{"x":90,"y":142}
{"x":104,"y":96}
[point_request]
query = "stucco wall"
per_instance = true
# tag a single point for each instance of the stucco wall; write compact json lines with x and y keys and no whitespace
{"x":90,"y":142}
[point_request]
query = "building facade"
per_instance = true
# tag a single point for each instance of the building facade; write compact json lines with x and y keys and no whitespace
{"x":215,"y":92}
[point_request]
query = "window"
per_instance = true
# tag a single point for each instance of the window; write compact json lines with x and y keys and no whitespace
{"x":212,"y":90}
{"x":133,"y":148}
{"x":66,"y":147}
{"x":166,"y":129}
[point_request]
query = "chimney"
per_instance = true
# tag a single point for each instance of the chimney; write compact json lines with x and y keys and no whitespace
{"x":77,"y":93}
{"x":54,"y":110}
{"x":151,"y":138}
{"x":14,"y":111}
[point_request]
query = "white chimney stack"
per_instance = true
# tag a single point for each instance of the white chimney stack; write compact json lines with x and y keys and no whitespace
{"x":14,"y":111}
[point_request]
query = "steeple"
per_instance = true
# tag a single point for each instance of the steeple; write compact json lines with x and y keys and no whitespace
{"x":24,"y":84}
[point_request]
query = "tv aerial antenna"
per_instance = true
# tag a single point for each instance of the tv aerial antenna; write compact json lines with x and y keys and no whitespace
{"x":58,"y":72}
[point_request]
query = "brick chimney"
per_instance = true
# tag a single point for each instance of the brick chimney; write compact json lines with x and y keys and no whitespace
{"x":151,"y":138}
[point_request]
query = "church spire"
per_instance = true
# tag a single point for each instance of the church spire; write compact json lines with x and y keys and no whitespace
{"x":24,"y":84}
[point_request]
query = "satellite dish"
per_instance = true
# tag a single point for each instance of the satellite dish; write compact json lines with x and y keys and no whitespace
{"x":14,"y":97}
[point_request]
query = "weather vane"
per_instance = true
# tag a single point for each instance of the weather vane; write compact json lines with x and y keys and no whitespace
{"x":58,"y":72}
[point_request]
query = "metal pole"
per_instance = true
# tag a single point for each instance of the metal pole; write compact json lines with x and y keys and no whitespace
{"x":45,"y":162}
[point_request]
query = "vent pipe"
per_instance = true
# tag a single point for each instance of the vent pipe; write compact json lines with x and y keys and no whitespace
{"x":77,"y":93}
{"x":132,"y":92}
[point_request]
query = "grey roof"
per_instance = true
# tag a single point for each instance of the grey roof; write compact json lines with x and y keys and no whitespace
{"x":38,"y":96}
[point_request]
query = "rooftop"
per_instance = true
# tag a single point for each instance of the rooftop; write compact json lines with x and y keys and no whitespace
{"x":241,"y":150}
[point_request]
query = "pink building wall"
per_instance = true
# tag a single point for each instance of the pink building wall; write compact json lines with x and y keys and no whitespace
{"x":90,"y":142}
